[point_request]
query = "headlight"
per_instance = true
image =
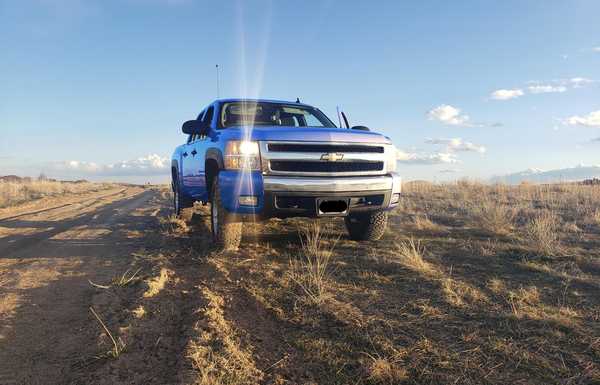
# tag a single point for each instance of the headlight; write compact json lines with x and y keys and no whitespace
{"x":242,"y":155}
{"x":391,"y":159}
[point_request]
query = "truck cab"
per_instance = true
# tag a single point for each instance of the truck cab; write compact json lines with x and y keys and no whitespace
{"x":255,"y":159}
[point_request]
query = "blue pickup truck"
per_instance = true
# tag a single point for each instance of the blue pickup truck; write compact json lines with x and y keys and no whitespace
{"x":259,"y":159}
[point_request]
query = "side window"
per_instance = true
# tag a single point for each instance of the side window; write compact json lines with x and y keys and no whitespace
{"x":312,"y":121}
{"x":207,"y":118}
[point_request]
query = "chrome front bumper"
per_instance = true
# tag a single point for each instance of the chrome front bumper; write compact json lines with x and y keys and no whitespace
{"x":391,"y":182}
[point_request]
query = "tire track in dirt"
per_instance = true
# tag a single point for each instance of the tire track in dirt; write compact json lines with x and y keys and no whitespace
{"x":47,"y":209}
{"x":47,"y":328}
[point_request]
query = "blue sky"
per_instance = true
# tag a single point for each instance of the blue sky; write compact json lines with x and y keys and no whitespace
{"x":469,"y":88}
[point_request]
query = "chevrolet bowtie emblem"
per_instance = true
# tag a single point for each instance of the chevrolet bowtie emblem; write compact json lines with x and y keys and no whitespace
{"x":332,"y":157}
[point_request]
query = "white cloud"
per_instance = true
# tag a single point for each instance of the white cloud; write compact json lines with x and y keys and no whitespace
{"x":590,"y":120}
{"x":425,"y":159}
{"x":457,"y":145}
{"x":506,"y":94}
{"x":448,"y":115}
{"x":149,"y":165}
{"x":545,"y":89}
{"x":596,"y":49}
{"x":579,"y":82}
{"x":449,"y":171}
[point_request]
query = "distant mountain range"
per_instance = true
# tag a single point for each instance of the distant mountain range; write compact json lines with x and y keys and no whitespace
{"x":573,"y":174}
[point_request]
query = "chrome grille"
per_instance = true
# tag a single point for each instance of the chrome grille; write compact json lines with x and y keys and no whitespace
{"x":323,"y":158}
{"x":324,"y":148}
{"x":301,"y":166}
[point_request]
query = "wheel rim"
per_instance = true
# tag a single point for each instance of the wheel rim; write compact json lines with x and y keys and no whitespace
{"x":176,"y":201}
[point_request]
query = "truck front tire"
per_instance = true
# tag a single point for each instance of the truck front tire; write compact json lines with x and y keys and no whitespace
{"x":226,"y":232}
{"x":368,"y":226}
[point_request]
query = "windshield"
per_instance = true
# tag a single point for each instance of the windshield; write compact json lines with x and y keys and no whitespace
{"x":271,"y":114}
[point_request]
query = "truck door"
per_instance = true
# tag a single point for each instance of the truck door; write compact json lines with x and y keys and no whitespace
{"x":189,"y":172}
{"x":194,"y":162}
{"x":199,"y":148}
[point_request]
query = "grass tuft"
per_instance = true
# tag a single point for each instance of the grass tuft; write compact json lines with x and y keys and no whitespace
{"x":494,"y":217}
{"x":410,"y":255}
{"x":543,"y":236}
{"x":311,"y":271}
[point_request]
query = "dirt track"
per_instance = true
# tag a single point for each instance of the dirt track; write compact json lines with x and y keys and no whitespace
{"x":47,"y":256}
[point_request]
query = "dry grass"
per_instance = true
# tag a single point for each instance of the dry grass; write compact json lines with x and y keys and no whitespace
{"x":493,"y":216}
{"x":118,"y":346}
{"x":386,"y":370}
{"x":543,"y":236}
{"x":410,"y":255}
{"x":13,"y":193}
{"x":156,"y":284}
{"x":423,"y":223}
{"x":216,"y":353}
{"x":121,"y":280}
{"x":471,"y":307}
{"x":311,"y":270}
{"x":174,"y":224}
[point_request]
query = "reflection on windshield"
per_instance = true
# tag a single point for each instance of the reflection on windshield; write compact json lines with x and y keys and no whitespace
{"x":272,"y":114}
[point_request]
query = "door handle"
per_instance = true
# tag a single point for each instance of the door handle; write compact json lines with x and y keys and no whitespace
{"x":194,"y":152}
{"x":184,"y":154}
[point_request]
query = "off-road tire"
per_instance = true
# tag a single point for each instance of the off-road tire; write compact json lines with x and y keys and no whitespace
{"x":226,"y":233}
{"x":180,"y":206}
{"x":368,"y":226}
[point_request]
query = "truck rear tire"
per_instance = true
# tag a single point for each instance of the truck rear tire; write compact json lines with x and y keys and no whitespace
{"x":226,"y":233}
{"x":182,"y":210}
{"x":368,"y":226}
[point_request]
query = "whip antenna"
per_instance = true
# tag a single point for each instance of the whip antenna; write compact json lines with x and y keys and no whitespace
{"x":218,"y":90}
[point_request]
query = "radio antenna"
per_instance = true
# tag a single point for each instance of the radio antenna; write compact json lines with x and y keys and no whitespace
{"x":218,"y":90}
{"x":339,"y":117}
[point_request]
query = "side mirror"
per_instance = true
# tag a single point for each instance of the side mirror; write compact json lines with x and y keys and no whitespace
{"x":360,"y":128}
{"x":192,"y":127}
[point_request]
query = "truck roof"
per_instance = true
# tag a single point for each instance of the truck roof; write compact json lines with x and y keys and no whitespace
{"x":233,"y":100}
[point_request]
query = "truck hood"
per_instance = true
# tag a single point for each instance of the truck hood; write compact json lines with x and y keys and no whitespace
{"x":280,"y":133}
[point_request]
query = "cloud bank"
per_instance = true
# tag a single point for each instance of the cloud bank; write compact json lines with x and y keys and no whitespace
{"x":537,"y":87}
{"x":425,"y":159}
{"x":149,"y":165}
{"x":507,"y":94}
{"x":590,"y":120}
{"x":545,"y":89}
{"x":448,"y":114}
{"x":457,"y":145}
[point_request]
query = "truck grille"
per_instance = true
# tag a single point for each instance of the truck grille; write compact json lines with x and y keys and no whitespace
{"x":300,"y":166}
{"x":324,"y":148}
{"x":323,"y":158}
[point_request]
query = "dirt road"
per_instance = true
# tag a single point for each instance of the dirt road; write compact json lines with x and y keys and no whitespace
{"x":48,"y":254}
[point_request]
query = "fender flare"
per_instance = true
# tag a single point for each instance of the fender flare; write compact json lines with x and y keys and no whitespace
{"x":212,"y":154}
{"x":215,"y":154}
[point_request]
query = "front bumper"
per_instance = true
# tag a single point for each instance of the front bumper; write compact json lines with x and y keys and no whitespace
{"x":283,"y":196}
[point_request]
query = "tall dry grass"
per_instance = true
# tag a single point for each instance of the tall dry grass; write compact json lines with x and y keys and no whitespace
{"x":311,"y":270}
{"x":13,"y":193}
{"x":493,"y":216}
{"x":543,"y":234}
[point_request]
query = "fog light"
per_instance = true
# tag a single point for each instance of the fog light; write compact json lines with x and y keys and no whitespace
{"x":395,"y":199}
{"x":248,"y":200}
